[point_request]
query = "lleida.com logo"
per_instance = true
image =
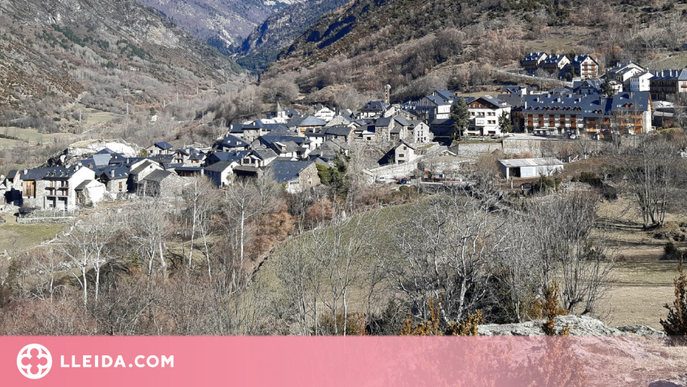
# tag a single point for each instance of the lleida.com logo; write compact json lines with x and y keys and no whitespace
{"x":34,"y":361}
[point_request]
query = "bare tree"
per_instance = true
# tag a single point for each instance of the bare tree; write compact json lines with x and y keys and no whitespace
{"x":149,"y":227}
{"x":567,"y":252}
{"x":653,"y":171}
{"x":201,"y":199}
{"x":446,"y":251}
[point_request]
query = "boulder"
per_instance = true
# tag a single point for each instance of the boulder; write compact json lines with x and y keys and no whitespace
{"x":641,"y":330}
{"x":678,"y":381}
{"x":579,"y":326}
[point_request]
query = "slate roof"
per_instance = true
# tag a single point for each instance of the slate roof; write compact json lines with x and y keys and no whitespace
{"x":163,"y":145}
{"x":287,"y":170}
{"x":163,"y":159}
{"x":536,"y":162}
{"x":142,"y":167}
{"x":587,"y":105}
{"x":232,"y":142}
{"x":158,"y":175}
{"x":114,"y":172}
{"x":490,"y":100}
{"x":60,"y":173}
{"x":670,"y":75}
{"x":553,"y":59}
{"x":383,"y":122}
{"x":338,"y":131}
{"x":446,"y":95}
{"x":587,"y":83}
{"x":186,"y":168}
{"x":402,"y":120}
{"x":533,"y":57}
{"x":374,"y":107}
{"x":101,"y":159}
{"x":105,"y":151}
{"x":264,"y":154}
{"x":33,"y":174}
{"x":226,"y":156}
{"x":312,"y":121}
{"x":219,"y":166}
{"x":83,"y":185}
{"x":578,"y":59}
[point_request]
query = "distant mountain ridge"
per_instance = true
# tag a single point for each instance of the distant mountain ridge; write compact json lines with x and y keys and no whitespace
{"x":222,"y":23}
{"x":64,"y":47}
{"x":279,"y":31}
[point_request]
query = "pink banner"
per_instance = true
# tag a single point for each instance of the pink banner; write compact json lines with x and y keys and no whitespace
{"x":322,"y":361}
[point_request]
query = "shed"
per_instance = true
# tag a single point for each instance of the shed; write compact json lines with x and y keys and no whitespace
{"x":530,"y":167}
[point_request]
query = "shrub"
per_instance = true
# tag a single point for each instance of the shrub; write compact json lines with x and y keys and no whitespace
{"x":670,"y":251}
{"x":675,"y":324}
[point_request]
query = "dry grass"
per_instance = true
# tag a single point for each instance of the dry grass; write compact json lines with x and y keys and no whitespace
{"x":642,"y":283}
{"x":16,"y":237}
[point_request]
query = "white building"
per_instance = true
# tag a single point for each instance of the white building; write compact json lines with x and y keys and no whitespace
{"x":404,"y":153}
{"x":514,"y":168}
{"x":641,"y":82}
{"x":485,"y":113}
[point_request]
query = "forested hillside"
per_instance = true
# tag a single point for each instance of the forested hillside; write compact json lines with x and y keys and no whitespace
{"x":426,"y":45}
{"x":280,"y":30}
{"x":58,"y":49}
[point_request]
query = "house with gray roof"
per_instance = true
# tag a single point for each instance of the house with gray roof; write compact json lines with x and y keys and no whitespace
{"x":555,"y":64}
{"x":296,"y":176}
{"x":139,"y":171}
{"x":310,"y":122}
{"x":532,"y":61}
{"x":584,"y":66}
{"x":56,"y":189}
{"x":373,"y":109}
{"x":160,"y":183}
{"x":230,"y":142}
{"x":668,"y":84}
{"x":115,"y":178}
{"x":160,"y":148}
{"x":219,"y":173}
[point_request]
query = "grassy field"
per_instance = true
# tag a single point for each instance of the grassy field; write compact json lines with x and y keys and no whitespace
{"x":18,"y":237}
{"x":638,"y":292}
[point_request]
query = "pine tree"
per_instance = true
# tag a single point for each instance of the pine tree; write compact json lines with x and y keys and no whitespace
{"x":676,"y":322}
{"x":505,"y":123}
{"x":460,"y":117}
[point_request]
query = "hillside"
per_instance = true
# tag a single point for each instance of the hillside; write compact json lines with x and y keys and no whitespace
{"x":115,"y":50}
{"x":369,"y":43}
{"x":223,"y":23}
{"x":279,"y":31}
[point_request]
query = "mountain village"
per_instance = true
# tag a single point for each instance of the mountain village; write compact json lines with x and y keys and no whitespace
{"x":288,"y":146}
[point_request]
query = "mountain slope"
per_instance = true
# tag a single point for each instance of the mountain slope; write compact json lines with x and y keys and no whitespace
{"x":279,"y":31}
{"x":115,"y":49}
{"x":415,"y":45}
{"x":222,"y":23}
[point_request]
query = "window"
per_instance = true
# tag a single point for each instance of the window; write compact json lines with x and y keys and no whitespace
{"x":120,"y":186}
{"x":401,"y":155}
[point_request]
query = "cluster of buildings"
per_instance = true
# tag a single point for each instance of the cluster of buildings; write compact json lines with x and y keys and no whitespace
{"x":562,"y":66}
{"x":662,"y":84}
{"x":288,"y":145}
{"x":623,"y":77}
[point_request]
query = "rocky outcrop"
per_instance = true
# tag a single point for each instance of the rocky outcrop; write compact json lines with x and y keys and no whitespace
{"x":679,"y":381}
{"x":579,"y":326}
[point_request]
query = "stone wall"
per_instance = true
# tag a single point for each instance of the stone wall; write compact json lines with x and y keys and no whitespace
{"x":51,"y":219}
